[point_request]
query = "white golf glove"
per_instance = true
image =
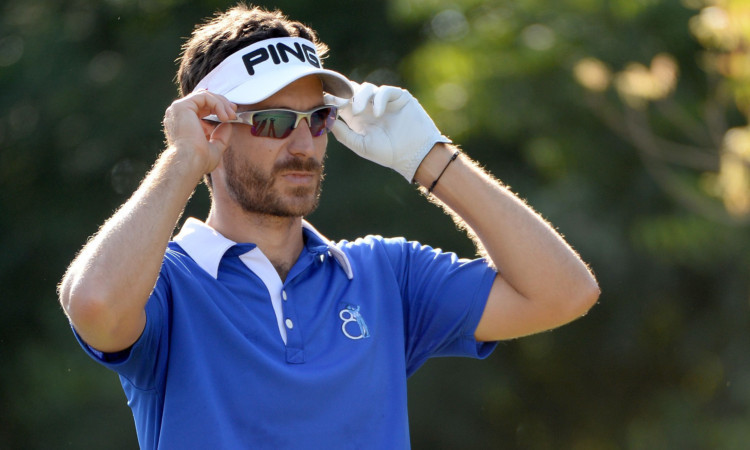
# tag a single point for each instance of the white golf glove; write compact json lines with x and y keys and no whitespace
{"x":386,"y":125}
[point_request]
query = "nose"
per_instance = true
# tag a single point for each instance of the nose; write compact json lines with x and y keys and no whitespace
{"x":301,"y":141}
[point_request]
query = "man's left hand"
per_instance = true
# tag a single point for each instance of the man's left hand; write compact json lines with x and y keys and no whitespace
{"x":386,"y":125}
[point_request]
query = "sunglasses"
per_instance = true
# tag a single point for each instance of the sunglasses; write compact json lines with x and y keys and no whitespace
{"x":279,"y":123}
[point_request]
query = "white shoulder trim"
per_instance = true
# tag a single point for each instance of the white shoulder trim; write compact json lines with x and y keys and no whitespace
{"x":337,"y":253}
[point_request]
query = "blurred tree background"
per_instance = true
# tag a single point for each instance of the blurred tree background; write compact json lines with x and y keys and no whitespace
{"x":624,"y":122}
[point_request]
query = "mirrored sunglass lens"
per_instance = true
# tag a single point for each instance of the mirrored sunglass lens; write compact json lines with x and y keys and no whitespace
{"x":322,"y":120}
{"x":319,"y":121}
{"x":274,"y":124}
{"x":280,"y":123}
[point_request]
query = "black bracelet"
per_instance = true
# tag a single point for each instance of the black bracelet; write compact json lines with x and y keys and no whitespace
{"x":434,"y":183}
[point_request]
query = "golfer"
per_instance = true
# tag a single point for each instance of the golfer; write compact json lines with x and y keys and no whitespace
{"x":251,"y":329}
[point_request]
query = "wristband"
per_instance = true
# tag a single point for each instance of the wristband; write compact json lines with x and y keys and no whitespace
{"x":434,"y":183}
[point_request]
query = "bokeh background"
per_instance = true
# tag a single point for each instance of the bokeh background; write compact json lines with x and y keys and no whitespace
{"x":624,"y":122}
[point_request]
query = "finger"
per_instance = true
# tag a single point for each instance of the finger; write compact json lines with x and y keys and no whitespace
{"x":206,"y":103}
{"x":224,"y":109}
{"x":389,"y":97}
{"x":355,"y":86}
{"x":220,"y":136}
{"x":333,"y":100}
{"x":347,"y":136}
{"x":362,"y":98}
{"x":232,"y":109}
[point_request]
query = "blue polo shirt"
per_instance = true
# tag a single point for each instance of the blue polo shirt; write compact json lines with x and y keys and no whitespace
{"x":232,"y":357}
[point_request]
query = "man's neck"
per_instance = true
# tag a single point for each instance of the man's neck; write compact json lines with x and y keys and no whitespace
{"x":279,"y":238}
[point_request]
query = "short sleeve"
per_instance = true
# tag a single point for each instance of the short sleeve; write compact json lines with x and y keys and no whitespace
{"x":444,"y":298}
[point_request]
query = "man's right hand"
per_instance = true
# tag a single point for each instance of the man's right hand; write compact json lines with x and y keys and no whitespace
{"x":184,"y":127}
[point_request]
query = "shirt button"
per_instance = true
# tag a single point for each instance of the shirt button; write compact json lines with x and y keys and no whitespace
{"x":283,"y":295}
{"x":322,"y":257}
{"x":289,"y":323}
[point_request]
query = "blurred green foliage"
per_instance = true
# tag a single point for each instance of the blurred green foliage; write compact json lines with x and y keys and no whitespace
{"x":530,"y":89}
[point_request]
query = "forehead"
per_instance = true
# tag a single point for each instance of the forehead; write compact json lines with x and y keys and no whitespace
{"x":303,"y":94}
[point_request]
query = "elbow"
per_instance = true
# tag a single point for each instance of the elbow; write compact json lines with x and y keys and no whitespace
{"x":592,"y":297}
{"x":68,"y":295}
{"x":107,"y":316}
{"x":575,"y":300}
{"x":101,"y":317}
{"x":99,"y":324}
{"x":90,"y":311}
{"x":84,"y":309}
{"x":585,"y":296}
{"x":76,"y":300}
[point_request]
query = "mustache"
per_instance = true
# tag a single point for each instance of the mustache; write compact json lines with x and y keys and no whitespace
{"x":299,"y":164}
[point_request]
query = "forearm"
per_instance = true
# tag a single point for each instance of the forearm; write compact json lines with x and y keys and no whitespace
{"x":541,"y":282}
{"x":105,"y":289}
{"x":533,"y":259}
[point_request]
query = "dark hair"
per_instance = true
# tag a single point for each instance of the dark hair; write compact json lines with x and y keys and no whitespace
{"x":225,"y":33}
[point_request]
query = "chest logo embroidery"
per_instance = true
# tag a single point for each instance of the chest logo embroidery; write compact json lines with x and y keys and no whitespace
{"x":353,"y":326}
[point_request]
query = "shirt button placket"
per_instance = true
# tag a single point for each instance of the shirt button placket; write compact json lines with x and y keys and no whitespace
{"x":288,"y":322}
{"x":294,"y":345}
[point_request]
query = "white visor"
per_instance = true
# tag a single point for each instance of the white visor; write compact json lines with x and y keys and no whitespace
{"x":258,"y":71}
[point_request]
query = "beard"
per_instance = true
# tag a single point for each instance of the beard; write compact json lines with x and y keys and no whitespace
{"x":256,"y":191}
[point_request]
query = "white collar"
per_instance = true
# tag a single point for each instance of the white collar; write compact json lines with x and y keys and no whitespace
{"x":207,"y":246}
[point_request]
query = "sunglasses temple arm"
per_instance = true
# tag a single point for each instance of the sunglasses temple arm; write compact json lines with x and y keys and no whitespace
{"x":215,"y":118}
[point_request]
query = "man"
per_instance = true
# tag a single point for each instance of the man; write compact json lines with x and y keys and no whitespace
{"x":252,"y":329}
